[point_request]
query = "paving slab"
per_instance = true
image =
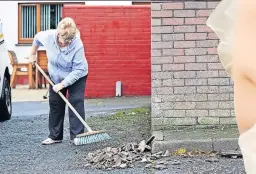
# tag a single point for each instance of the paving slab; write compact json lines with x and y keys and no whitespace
{"x":199,"y":139}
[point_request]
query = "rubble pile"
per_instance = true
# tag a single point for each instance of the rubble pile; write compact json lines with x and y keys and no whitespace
{"x":130,"y":154}
{"x":125,"y":156}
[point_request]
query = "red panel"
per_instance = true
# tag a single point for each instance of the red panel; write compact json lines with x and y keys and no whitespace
{"x":117,"y":42}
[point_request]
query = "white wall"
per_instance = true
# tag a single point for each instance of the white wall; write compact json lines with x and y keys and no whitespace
{"x":9,"y":16}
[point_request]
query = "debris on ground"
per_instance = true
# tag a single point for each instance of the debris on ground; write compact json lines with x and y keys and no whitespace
{"x":212,"y":160}
{"x":130,"y":154}
{"x":175,"y":162}
{"x":231,"y":154}
{"x":125,"y":156}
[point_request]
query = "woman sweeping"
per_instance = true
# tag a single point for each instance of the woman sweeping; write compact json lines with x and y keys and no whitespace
{"x":68,"y":69}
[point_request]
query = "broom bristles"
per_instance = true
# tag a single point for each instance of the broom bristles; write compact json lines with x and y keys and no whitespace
{"x":91,"y":137}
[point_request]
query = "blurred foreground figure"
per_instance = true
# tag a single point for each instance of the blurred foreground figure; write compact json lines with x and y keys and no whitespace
{"x":234,"y":22}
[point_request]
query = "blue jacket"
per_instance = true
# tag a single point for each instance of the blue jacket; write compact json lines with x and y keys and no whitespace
{"x":66,"y":64}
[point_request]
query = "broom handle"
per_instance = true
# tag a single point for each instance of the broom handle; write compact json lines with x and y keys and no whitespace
{"x":65,"y":99}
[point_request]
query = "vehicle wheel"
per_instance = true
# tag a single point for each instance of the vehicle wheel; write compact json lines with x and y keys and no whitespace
{"x":6,"y":101}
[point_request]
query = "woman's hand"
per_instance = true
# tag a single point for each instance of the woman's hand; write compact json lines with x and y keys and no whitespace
{"x":58,"y":87}
{"x":32,"y":59}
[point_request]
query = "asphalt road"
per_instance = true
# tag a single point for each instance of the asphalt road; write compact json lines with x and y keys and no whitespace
{"x":21,"y":152}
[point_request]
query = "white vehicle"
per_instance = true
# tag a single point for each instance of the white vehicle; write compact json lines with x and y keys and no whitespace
{"x":5,"y":89}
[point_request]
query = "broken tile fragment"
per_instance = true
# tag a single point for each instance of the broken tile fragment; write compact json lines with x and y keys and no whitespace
{"x":124,"y":153}
{"x":90,"y":156}
{"x":162,"y":162}
{"x":166,"y":154}
{"x":108,"y":149}
{"x":231,"y":154}
{"x":114,"y":150}
{"x":175,"y":162}
{"x":123,"y":165}
{"x":148,"y":166}
{"x":144,"y":160}
{"x":212,"y":160}
{"x":98,"y":158}
{"x":159,"y":153}
{"x":142,"y":146}
{"x":108,"y":169}
{"x":160,"y":167}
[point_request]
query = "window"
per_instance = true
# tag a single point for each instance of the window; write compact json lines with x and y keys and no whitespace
{"x":37,"y":17}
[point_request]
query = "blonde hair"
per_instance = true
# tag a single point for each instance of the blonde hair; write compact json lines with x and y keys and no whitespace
{"x":69,"y":27}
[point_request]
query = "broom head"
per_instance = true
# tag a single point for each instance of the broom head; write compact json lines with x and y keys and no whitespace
{"x":91,"y":137}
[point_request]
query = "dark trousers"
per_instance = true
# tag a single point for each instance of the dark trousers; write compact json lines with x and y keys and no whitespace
{"x":57,"y":110}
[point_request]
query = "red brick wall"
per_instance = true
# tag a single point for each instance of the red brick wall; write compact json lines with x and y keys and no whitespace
{"x":117,"y":41}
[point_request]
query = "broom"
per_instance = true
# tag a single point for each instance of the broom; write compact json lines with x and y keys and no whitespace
{"x":84,"y":138}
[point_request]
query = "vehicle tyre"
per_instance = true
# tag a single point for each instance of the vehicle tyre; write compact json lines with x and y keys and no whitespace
{"x":6,"y":101}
